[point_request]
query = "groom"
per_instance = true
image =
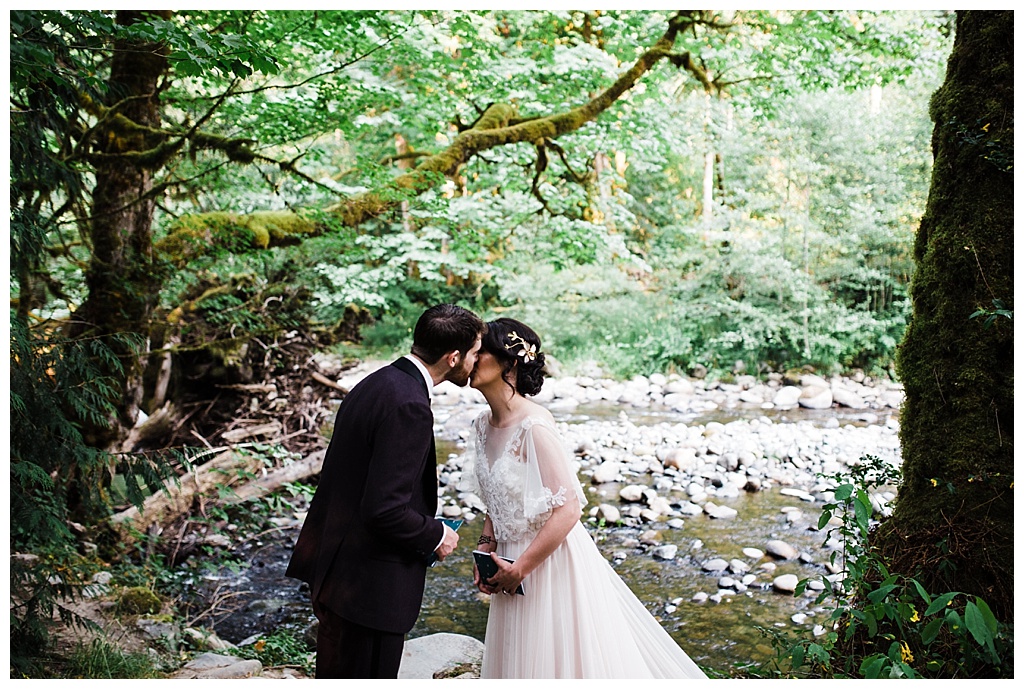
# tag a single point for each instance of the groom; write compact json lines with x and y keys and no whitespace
{"x":370,"y":529}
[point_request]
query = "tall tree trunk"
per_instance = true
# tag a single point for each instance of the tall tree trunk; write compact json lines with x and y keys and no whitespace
{"x":120,"y":277}
{"x":952,"y":526}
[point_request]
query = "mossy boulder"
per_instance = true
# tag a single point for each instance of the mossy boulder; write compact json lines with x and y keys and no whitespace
{"x":138,"y":600}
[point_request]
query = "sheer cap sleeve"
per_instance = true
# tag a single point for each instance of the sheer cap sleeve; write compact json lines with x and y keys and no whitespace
{"x":550,"y":476}
{"x":469,"y":482}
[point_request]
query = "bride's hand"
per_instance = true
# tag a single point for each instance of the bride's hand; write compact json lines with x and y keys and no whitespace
{"x":507,"y":579}
{"x":481,"y":585}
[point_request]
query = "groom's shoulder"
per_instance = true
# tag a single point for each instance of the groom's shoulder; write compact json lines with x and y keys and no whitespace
{"x":399,"y":376}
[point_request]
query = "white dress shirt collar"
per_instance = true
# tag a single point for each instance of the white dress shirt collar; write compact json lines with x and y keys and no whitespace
{"x":426,"y":374}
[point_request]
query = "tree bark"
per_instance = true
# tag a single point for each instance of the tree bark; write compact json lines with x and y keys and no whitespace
{"x":120,"y":278}
{"x":952,"y":526}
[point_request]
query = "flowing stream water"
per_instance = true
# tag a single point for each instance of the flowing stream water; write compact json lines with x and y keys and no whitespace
{"x":718,"y":633}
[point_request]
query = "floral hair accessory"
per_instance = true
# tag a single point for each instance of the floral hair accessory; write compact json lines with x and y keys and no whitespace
{"x":528,"y":351}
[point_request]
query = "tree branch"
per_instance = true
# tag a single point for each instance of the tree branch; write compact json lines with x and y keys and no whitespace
{"x":499,"y":125}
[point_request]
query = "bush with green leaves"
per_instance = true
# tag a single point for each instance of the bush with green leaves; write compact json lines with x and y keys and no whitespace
{"x":55,"y":475}
{"x":283,"y":647}
{"x":885,"y":625}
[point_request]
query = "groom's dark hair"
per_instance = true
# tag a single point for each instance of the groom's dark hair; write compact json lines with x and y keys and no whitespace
{"x":445,"y":328}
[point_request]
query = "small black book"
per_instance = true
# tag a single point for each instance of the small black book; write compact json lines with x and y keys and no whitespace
{"x":488,"y":567}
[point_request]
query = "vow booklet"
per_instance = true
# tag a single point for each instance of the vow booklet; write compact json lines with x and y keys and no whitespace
{"x":488,"y":567}
{"x":454,"y":524}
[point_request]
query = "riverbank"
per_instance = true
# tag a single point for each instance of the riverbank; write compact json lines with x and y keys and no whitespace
{"x":704,"y":496}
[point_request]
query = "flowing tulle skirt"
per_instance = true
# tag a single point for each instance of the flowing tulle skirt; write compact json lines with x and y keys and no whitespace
{"x":578,"y":619}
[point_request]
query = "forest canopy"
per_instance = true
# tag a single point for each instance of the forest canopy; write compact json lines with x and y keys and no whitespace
{"x":753,"y":191}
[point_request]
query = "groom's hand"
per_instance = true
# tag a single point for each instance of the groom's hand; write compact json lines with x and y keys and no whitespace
{"x":451,"y":539}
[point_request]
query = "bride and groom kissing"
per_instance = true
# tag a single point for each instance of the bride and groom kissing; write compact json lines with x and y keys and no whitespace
{"x":371,"y":529}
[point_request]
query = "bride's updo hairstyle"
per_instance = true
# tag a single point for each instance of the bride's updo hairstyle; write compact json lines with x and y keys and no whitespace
{"x":517,"y":347}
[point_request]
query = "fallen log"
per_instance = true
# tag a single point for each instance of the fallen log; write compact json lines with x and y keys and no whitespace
{"x":289,"y":473}
{"x":227,"y":469}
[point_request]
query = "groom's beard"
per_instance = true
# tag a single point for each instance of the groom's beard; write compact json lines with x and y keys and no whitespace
{"x":460,"y":376}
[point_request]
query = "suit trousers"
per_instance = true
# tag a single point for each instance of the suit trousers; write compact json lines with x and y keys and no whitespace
{"x":348,"y":650}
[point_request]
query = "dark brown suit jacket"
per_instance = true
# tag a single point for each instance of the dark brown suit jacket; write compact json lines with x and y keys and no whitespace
{"x":371,"y":524}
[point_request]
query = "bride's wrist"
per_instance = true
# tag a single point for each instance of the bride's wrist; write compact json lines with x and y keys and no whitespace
{"x":487,"y":543}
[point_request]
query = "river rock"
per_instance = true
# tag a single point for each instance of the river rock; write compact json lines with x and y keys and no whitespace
{"x":696,"y":491}
{"x":816,"y":397}
{"x":451,"y":511}
{"x":665,"y":552}
{"x":719,"y":511}
{"x":424,"y":656}
{"x":650,"y":537}
{"x":632,"y":493}
{"x":216,"y":666}
{"x":649,"y":515}
{"x":715,"y":564}
{"x":785,"y":583}
{"x":473,"y":501}
{"x":609,"y":513}
{"x":729,"y":490}
{"x":682,"y":458}
{"x":607,"y":472}
{"x":660,"y":505}
{"x":752,"y":396}
{"x":807,"y":379}
{"x":892,"y":398}
{"x":738,"y":566}
{"x":787,"y":396}
{"x":206,"y":640}
{"x":679,"y":386}
{"x":781,"y":550}
{"x":797,"y":493}
{"x":847,"y":398}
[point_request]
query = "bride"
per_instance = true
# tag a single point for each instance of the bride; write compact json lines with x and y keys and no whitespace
{"x":577,"y":619}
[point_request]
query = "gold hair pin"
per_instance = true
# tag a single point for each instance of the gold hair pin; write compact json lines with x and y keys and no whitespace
{"x":528,"y":351}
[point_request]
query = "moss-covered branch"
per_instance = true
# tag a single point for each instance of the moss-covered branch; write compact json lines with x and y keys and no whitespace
{"x":498,"y":125}
{"x":194,"y":235}
{"x":161,"y":144}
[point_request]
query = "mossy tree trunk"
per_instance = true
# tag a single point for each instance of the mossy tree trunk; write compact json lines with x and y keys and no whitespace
{"x":952,"y":527}
{"x":120,"y":277}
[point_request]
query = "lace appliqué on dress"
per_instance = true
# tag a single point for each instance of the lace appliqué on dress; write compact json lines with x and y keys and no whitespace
{"x":514,"y":514}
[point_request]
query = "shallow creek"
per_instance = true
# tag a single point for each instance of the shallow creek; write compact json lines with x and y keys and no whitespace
{"x":717,"y":635}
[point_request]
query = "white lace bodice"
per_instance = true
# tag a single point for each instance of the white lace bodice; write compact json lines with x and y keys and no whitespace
{"x":523,"y":473}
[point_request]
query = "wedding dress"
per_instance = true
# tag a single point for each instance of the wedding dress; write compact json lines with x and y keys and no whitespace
{"x":578,"y":619}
